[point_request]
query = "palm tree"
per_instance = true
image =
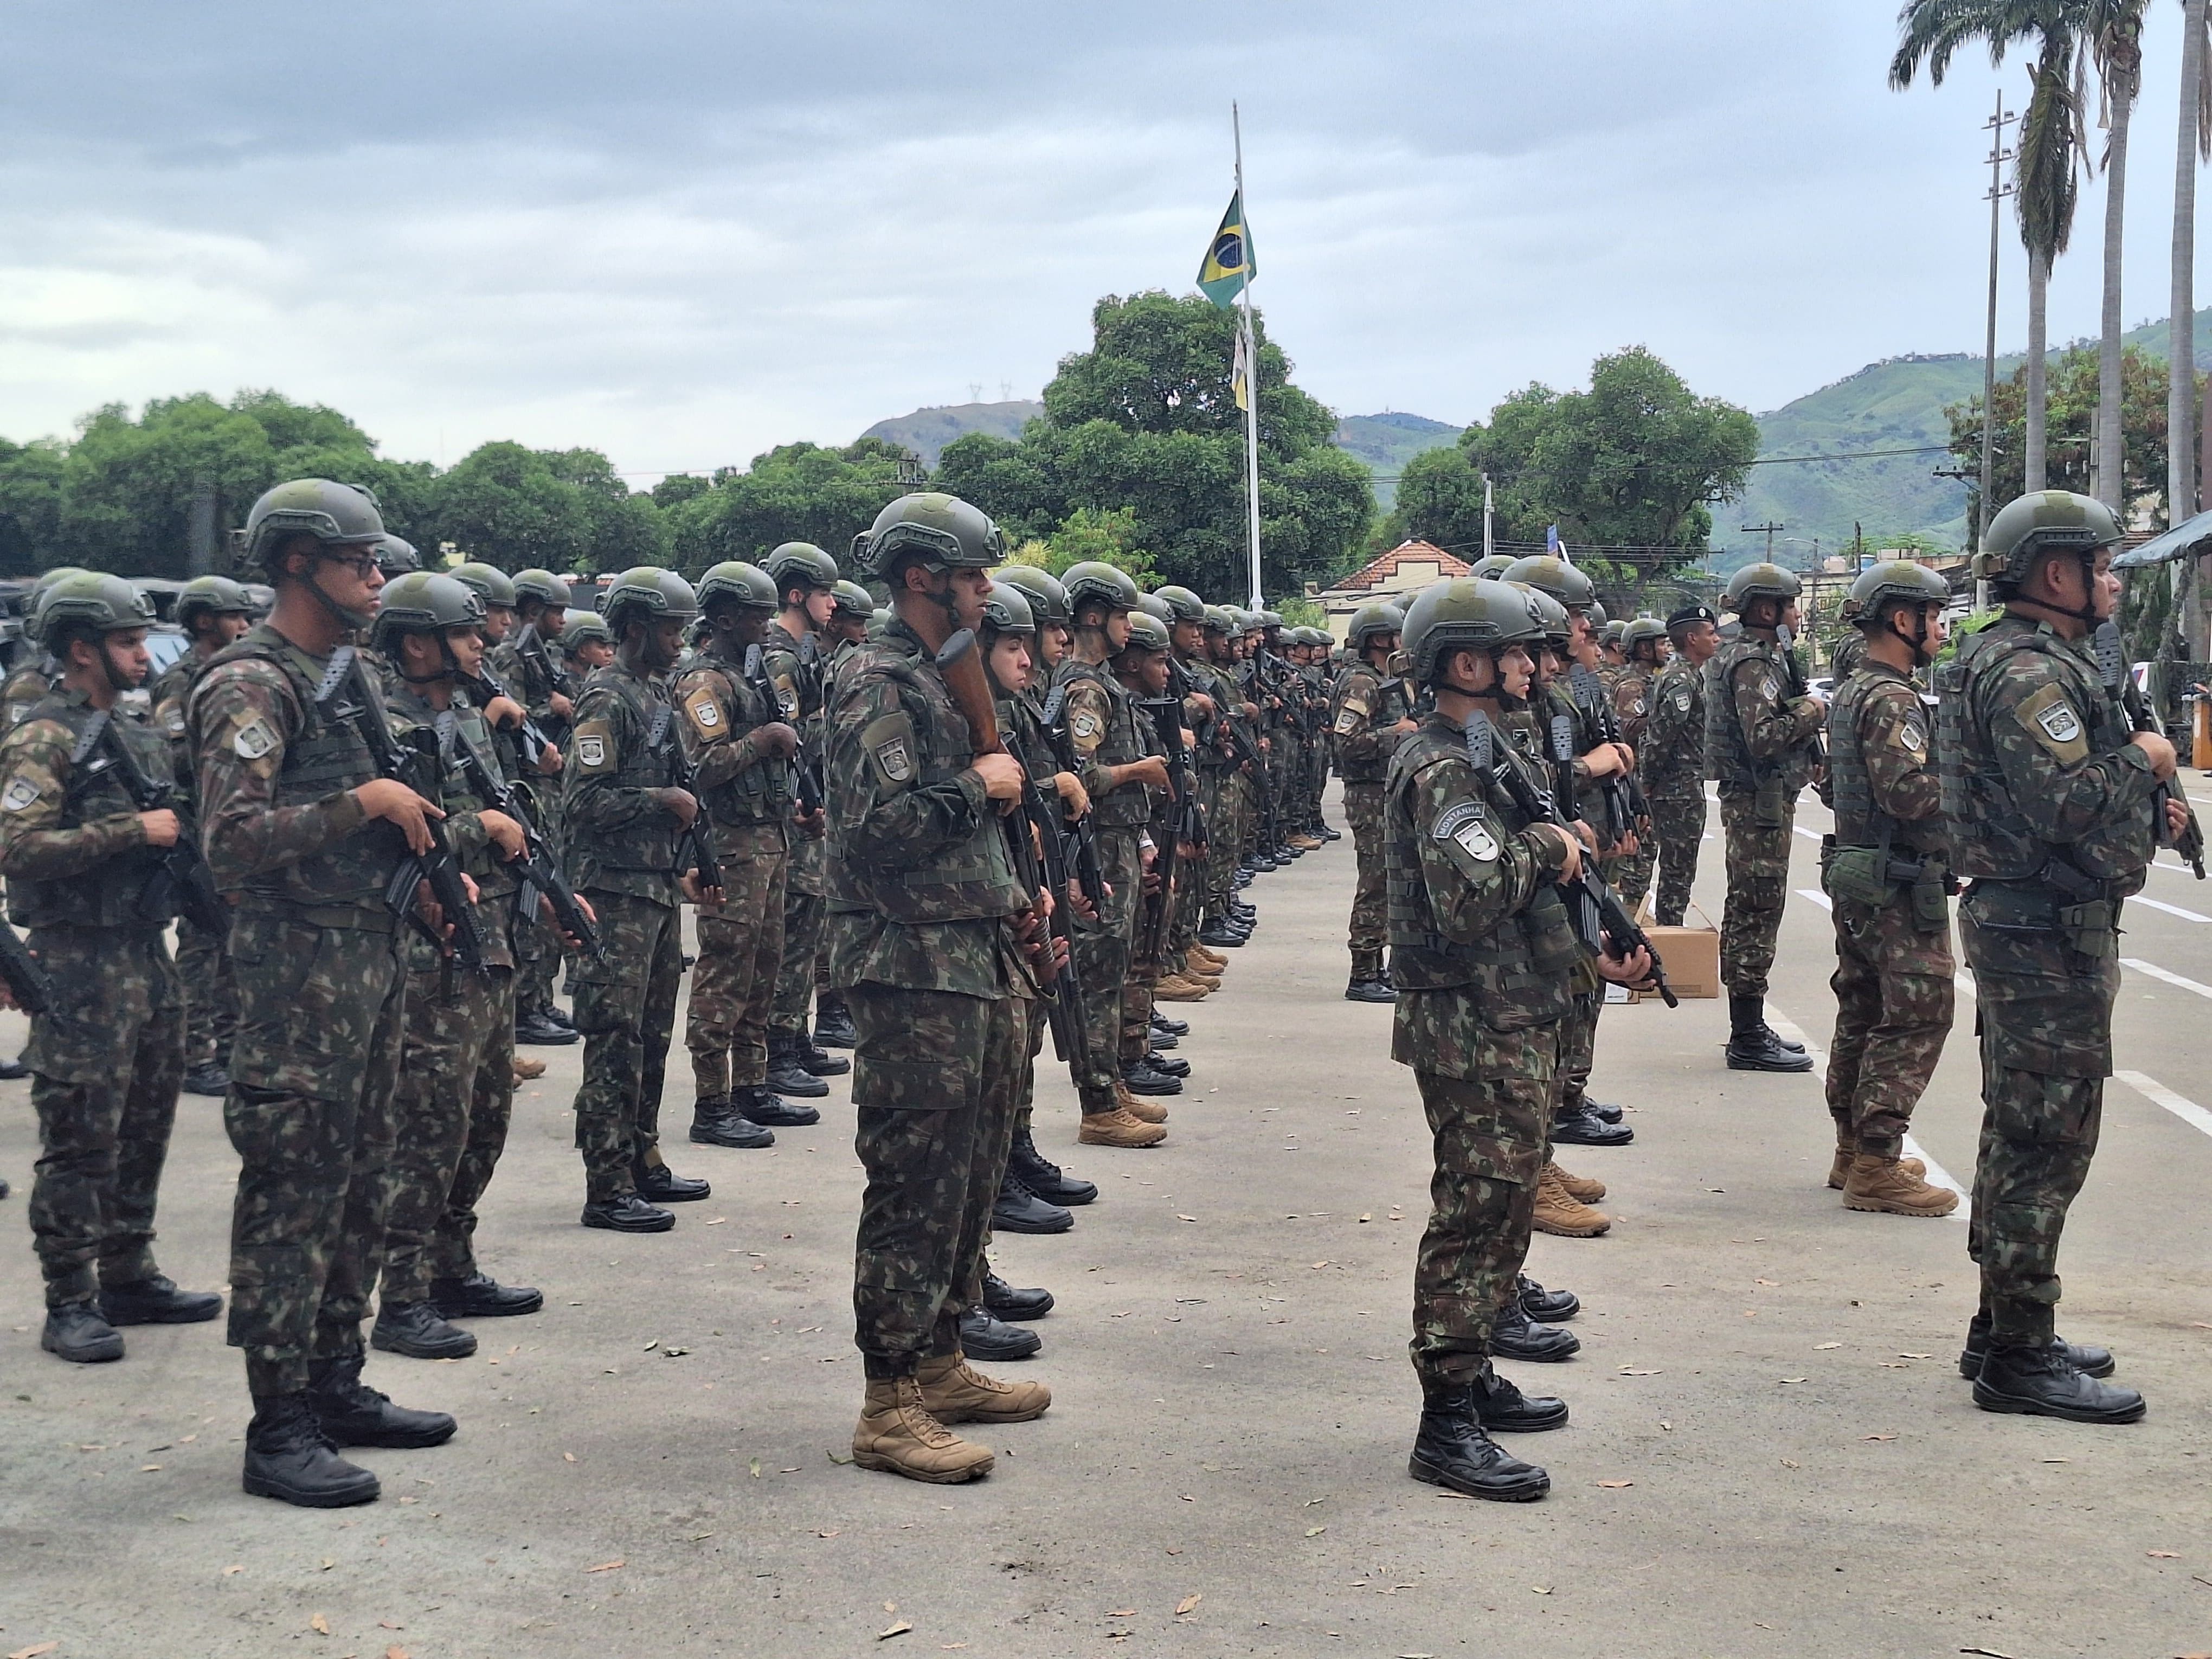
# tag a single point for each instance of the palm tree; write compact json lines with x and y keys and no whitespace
{"x":2051,"y":137}
{"x":2193,"y":137}
{"x":2116,"y":46}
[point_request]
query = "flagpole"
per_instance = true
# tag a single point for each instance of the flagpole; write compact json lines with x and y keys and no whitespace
{"x":1252,"y":372}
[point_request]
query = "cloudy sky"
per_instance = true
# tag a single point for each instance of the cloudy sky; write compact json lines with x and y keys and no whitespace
{"x":684,"y":232}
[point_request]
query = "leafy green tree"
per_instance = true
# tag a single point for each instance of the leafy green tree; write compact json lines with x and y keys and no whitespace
{"x":1109,"y":536}
{"x":562,"y":509}
{"x":2070,"y":414}
{"x":798,"y":492}
{"x":1147,"y":421}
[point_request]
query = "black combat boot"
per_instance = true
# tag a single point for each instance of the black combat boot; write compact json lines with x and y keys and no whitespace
{"x":1018,"y":1209}
{"x":2039,"y":1381}
{"x":1368,"y":990}
{"x":1547,"y":1307}
{"x":538,"y":1031}
{"x":1172,"y":1065}
{"x":833,"y":1022}
{"x":1515,"y":1336}
{"x":2087,"y":1360}
{"x":1172,"y":1026}
{"x":1219,"y":935}
{"x":1005,"y":1302}
{"x":1452,"y":1449}
{"x":1505,"y":1409}
{"x":983,"y":1336}
{"x":626,"y":1213}
{"x":208,"y":1079}
{"x":658,"y":1184}
{"x":1163,"y":1041}
{"x":287,"y":1457}
{"x":1143,"y":1078}
{"x":716,"y":1122}
{"x":1041,"y":1175}
{"x":482,"y":1296}
{"x":354,"y":1414}
{"x":786,"y":1071}
{"x":817,"y":1062}
{"x":77,"y":1332}
{"x":763,"y":1105}
{"x":155,"y":1300}
{"x":1752,"y":1046}
{"x":1604,"y":1110}
{"x":419,"y":1331}
{"x":1577,"y":1125}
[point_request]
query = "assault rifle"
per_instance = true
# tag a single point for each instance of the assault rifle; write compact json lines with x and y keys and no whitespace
{"x":28,"y":987}
{"x":529,"y":645}
{"x":1793,"y":671}
{"x":1600,"y":916}
{"x":530,"y":737}
{"x":363,"y":711}
{"x":1186,"y":821}
{"x":2111,"y":666}
{"x":960,"y":663}
{"x":695,"y":853}
{"x":540,"y":872}
{"x":1627,"y":811}
{"x":805,"y":769}
{"x":181,"y":885}
{"x":1079,"y":840}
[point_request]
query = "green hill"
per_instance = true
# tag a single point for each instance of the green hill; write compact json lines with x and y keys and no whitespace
{"x":926,"y":431}
{"x":1387,"y":441}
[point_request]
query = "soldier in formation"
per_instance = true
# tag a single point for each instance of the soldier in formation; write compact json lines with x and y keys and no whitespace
{"x":1370,"y":715}
{"x":1673,"y":760}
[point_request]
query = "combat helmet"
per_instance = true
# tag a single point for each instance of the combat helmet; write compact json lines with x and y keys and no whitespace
{"x":1557,"y":626}
{"x":1466,"y":613}
{"x":213,"y":596}
{"x":1894,"y":582}
{"x":800,"y":564}
{"x":1643,"y":631}
{"x":395,"y":555}
{"x":89,"y":602}
{"x":1760,"y":581}
{"x":1614,"y":630}
{"x":1549,"y":573}
{"x":1048,"y":598}
{"x":735,"y":582}
{"x":1152,"y":605}
{"x":1007,"y":611}
{"x":1491,"y":567}
{"x":1146,"y":633}
{"x":1096,"y":582}
{"x":647,"y":592}
{"x":1182,"y":604}
{"x":492,"y":584}
{"x":853,"y":600}
{"x":1219,"y":621}
{"x":424,"y":602}
{"x":932,"y":525}
{"x":2049,"y":520}
{"x":1370,"y":619}
{"x":583,"y":629}
{"x":539,"y":586}
{"x":335,"y":515}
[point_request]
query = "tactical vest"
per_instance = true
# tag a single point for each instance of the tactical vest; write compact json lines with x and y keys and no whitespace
{"x":1123,"y":745}
{"x":456,"y":792}
{"x":1519,"y":974}
{"x":1363,"y":682}
{"x":760,"y":793}
{"x":642,"y":735}
{"x":965,"y":882}
{"x":1677,"y":759}
{"x":1859,"y":821}
{"x":324,"y":757}
{"x":1991,"y":838}
{"x":1727,"y":752}
{"x":108,"y":895}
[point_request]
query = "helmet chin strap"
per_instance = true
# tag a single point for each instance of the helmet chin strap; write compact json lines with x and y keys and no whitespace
{"x":1922,"y":656}
{"x":115,"y":682}
{"x":352,"y":621}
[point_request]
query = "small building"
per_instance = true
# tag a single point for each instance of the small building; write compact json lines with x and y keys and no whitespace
{"x":1399,"y":574}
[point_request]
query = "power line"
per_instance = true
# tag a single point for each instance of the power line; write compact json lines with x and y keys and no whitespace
{"x":1776,"y":461}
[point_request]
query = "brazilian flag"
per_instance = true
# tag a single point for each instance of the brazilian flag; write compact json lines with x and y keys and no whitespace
{"x":1229,"y":262}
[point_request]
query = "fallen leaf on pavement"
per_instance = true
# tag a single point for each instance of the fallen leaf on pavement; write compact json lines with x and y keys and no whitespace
{"x":1615,"y":1485}
{"x":1186,"y":1217}
{"x":1315,"y":1532}
{"x":899,"y":1629}
{"x":1822,"y":1347}
{"x":226,"y":1571}
{"x":1788,"y":1464}
{"x":2163,"y":1555}
{"x":1792,"y":1379}
{"x":1541,"y":1589}
{"x":1916,"y":1356}
{"x":1187,"y":1604}
{"x":319,"y":1625}
{"x":1630,"y":1370}
{"x":753,"y":1463}
{"x":1878,"y":1436}
{"x":567,"y":1457}
{"x":606,"y":1566}
{"x":34,"y":1653}
{"x":1120,"y":1613}
{"x":1986,"y":1653}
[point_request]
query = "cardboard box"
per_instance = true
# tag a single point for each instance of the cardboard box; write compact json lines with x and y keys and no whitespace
{"x":1692,"y":956}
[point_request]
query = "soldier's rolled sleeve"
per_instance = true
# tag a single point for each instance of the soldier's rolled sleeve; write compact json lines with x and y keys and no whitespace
{"x":2061,"y":803}
{"x":1903,"y":784}
{"x":243,"y":832}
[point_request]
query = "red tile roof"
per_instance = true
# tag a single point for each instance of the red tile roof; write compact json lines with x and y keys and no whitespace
{"x":1375,"y":574}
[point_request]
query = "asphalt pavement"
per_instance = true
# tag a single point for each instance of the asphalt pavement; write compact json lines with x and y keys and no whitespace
{"x":1770,"y":1450}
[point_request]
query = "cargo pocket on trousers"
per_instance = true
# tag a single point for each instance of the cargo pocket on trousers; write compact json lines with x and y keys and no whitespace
{"x":932,"y":1060}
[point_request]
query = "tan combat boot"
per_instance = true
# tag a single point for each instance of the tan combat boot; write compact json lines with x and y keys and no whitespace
{"x":527,"y":1067}
{"x":1304,"y":843}
{"x":1559,"y":1211}
{"x":955,"y":1392}
{"x":1176,"y":988}
{"x":1144,"y":1111}
{"x":896,"y":1433}
{"x":1586,"y":1189}
{"x":1885,"y":1187}
{"x":1839,"y":1171}
{"x":1210,"y":962}
{"x":1118,"y":1128}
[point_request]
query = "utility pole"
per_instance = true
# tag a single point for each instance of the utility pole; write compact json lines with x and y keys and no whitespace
{"x":1771,"y":531}
{"x":1995,"y":126}
{"x":1489,"y":517}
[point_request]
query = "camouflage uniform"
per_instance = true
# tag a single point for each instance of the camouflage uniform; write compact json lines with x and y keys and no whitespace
{"x":1756,"y":744}
{"x":1229,"y":823}
{"x":27,"y":686}
{"x":922,"y":936}
{"x":1102,"y":726}
{"x":1630,"y":687}
{"x":2051,"y":815}
{"x":1893,"y":971}
{"x":620,"y":850}
{"x":455,"y":1096}
{"x":1672,"y":763}
{"x":532,"y":672}
{"x":321,"y":995}
{"x":1480,"y":945}
{"x":747,"y":794}
{"x":1850,"y":651}
{"x":107,"y":1061}
{"x":1361,"y":715}
{"x":795,"y":669}
{"x":203,"y":958}
{"x":1556,"y":719}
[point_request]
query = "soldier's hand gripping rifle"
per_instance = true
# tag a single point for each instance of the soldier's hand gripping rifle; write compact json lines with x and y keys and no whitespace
{"x":346,"y":679}
{"x":2111,"y":666}
{"x":530,"y":736}
{"x":1627,"y":811}
{"x":1600,"y":918}
{"x":28,"y":987}
{"x":960,"y":664}
{"x":1079,"y":838}
{"x":530,"y":646}
{"x":181,"y":885}
{"x":1186,"y":822}
{"x":805,"y":769}
{"x":695,"y":852}
{"x":539,"y":871}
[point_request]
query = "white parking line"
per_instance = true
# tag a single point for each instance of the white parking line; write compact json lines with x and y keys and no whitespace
{"x":1937,"y":1174}
{"x":2157,"y":972}
{"x":2170,"y":909}
{"x":2158,"y":1094}
{"x":1817,"y":896}
{"x":1809,"y":835}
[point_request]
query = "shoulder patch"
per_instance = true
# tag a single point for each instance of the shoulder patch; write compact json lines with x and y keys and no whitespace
{"x":1465,"y":822}
{"x":888,"y":741}
{"x":1456,"y":817}
{"x":171,"y":716}
{"x":1348,"y":719}
{"x":595,"y":747}
{"x":704,"y":710}
{"x":1682,"y":700}
{"x":786,"y":696}
{"x":2052,"y":721}
{"x":19,"y":794}
{"x":1770,"y":687}
{"x":1638,"y":706}
{"x":1913,"y":734}
{"x":253,"y":739}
